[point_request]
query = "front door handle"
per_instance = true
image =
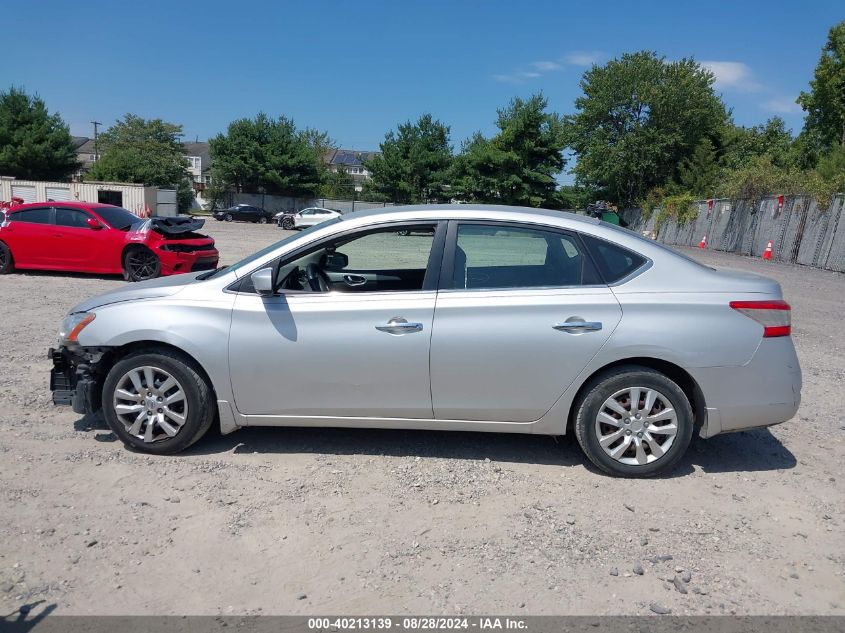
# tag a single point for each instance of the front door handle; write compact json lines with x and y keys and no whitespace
{"x":355,"y":280}
{"x":398,"y":325}
{"x":578,"y":326}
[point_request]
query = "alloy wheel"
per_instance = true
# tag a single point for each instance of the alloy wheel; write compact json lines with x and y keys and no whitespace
{"x":142,"y":264}
{"x":150,"y":403}
{"x":636,"y":426}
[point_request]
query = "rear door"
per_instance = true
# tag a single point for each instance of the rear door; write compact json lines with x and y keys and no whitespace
{"x":520,"y":313}
{"x":30,"y":236}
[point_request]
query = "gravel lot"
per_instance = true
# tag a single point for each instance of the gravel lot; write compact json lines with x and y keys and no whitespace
{"x":302,"y":521}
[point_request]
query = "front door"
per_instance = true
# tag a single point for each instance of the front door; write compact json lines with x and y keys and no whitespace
{"x":314,"y":350}
{"x":521,"y":312}
{"x":76,"y":245}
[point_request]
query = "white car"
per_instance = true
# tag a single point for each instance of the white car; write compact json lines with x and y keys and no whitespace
{"x":312,"y":216}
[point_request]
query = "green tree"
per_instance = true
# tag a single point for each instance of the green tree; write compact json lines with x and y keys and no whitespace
{"x":34,"y":144}
{"x":638,"y":118}
{"x":519,"y":164}
{"x":574,"y":197}
{"x":413,"y":164}
{"x":337,"y":184}
{"x":267,"y":154}
{"x":699,"y":173}
{"x":824,"y":126}
{"x":741,"y":145}
{"x":145,"y":151}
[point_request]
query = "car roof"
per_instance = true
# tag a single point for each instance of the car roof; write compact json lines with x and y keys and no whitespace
{"x":73,"y":205}
{"x":471,"y":211}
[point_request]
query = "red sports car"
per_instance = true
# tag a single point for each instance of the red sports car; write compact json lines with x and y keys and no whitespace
{"x":101,"y":238}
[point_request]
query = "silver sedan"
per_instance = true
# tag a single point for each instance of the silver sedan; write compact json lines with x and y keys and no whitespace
{"x":465,"y":318}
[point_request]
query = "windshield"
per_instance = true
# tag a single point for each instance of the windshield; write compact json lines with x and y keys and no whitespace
{"x":269,"y":249}
{"x":117,"y":217}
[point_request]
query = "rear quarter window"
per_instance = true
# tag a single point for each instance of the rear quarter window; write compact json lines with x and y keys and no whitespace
{"x":613,"y":261}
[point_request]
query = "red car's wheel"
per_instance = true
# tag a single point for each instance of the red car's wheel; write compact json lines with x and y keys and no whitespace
{"x":140,"y":264}
{"x":7,"y":264}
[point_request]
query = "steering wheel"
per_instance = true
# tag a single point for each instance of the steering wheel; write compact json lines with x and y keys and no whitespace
{"x":317,"y":279}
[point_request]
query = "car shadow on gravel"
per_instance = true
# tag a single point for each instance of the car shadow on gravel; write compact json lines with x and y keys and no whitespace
{"x":68,"y":275}
{"x":755,"y":450}
{"x":749,"y":451}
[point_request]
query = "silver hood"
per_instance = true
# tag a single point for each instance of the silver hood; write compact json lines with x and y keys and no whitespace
{"x":161,"y":287}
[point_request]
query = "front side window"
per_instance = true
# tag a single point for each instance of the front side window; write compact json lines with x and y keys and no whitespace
{"x":32,"y":216}
{"x":498,"y":257}
{"x":380,"y":260}
{"x":73,"y":218}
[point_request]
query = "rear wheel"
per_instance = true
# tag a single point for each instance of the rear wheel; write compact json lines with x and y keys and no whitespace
{"x":634,"y":422}
{"x":262,"y":220}
{"x":7,"y":263}
{"x":157,"y":402}
{"x":140,"y":264}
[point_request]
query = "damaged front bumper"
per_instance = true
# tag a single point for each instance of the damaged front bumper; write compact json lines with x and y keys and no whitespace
{"x":75,"y":379}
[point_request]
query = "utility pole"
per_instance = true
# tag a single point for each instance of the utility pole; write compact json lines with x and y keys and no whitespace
{"x":96,"y":151}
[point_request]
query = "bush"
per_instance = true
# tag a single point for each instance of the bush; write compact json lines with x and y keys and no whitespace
{"x":680,"y":207}
{"x":762,"y":178}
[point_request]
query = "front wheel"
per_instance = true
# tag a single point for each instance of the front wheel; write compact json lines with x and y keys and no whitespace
{"x":633,"y":422}
{"x":7,"y":263}
{"x":287,"y":224}
{"x":228,"y":217}
{"x":262,"y":220}
{"x":140,"y":264}
{"x":157,"y":402}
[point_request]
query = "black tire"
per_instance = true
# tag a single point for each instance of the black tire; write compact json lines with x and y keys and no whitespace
{"x":228,"y":217}
{"x":262,"y":220}
{"x":602,"y":387}
{"x":140,"y":264}
{"x":287,"y":223}
{"x":198,"y":395}
{"x":7,"y":262}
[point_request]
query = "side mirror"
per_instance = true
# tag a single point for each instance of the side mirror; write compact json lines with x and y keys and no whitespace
{"x":336,"y":261}
{"x":262,"y":281}
{"x":93,"y":223}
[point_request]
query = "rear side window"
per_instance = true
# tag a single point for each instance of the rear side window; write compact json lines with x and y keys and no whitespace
{"x":499,"y":256}
{"x":613,"y":261}
{"x":33,"y":216}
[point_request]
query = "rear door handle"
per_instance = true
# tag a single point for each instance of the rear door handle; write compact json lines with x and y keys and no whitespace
{"x":355,"y":280}
{"x":398,"y":325}
{"x":576,"y":327}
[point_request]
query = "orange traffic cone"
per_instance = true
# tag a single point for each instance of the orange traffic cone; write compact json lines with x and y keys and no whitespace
{"x":703,"y":242}
{"x":767,"y":254}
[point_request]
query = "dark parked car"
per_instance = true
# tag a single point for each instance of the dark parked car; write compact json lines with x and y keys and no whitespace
{"x":244,"y":213}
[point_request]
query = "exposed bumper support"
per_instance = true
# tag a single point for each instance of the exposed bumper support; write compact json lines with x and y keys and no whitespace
{"x":75,"y":380}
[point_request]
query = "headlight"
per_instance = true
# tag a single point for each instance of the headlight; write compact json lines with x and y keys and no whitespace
{"x":73,"y":324}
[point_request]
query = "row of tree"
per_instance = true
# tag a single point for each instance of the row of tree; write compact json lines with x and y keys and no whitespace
{"x":644,"y":130}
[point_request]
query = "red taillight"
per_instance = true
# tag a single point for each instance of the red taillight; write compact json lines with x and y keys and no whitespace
{"x":774,"y":316}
